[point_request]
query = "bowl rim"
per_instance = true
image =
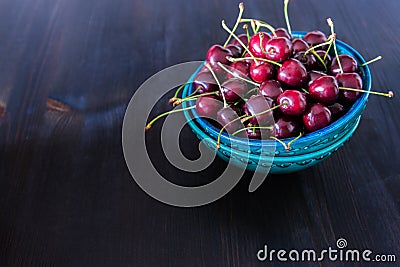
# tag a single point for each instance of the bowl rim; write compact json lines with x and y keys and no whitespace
{"x":342,"y":121}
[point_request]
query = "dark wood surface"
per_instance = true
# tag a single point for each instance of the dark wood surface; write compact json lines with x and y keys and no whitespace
{"x":68,"y":69}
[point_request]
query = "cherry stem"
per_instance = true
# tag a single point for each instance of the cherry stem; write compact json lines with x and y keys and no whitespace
{"x":192,"y":97}
{"x":329,"y":41}
{"x":329,"y":47}
{"x":175,"y":97}
{"x":371,"y":61}
{"x":253,"y":128}
{"x":237,"y":39}
{"x":148,"y":126}
{"x":216,"y":79}
{"x":253,"y":26}
{"x":241,"y":9}
{"x":331,"y":25}
{"x":259,"y":24}
{"x":287,"y":146}
{"x":246,"y":27}
{"x":285,"y":11}
{"x":250,"y":91}
{"x":243,"y":119}
{"x":305,"y":91}
{"x":237,"y":76}
{"x":389,"y":94}
{"x":231,"y":59}
{"x":320,"y":59}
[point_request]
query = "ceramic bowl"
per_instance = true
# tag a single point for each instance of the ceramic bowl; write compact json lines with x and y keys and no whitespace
{"x":305,"y":152}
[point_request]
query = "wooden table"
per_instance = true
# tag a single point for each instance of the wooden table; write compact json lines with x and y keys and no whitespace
{"x":68,"y":69}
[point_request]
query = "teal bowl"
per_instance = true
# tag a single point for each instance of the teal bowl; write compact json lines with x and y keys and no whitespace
{"x":305,"y":152}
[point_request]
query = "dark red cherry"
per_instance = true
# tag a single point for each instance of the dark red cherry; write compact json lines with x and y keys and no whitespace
{"x":261,"y":71}
{"x":218,"y":53}
{"x":292,"y":102}
{"x":257,"y":43}
{"x":292,"y":73}
{"x":207,"y":106}
{"x":278,"y":49}
{"x":239,"y":68}
{"x":243,"y":38}
{"x":229,"y":118}
{"x":316,"y":117}
{"x":287,"y":126}
{"x":318,"y":65}
{"x":282,"y":32}
{"x":204,"y":82}
{"x":337,"y":110}
{"x":349,"y":80}
{"x":315,"y":37}
{"x":299,"y":45}
{"x":233,"y":89}
{"x":314,"y":74}
{"x":257,"y":104}
{"x":307,"y":60}
{"x":235,"y":50}
{"x":237,"y":107}
{"x":271,"y":89}
{"x":324,"y":90}
{"x":349,"y":64}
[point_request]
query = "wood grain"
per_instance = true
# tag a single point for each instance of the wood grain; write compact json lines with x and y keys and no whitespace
{"x":66,"y":196}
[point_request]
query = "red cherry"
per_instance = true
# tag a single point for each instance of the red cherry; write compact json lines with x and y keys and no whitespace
{"x":299,"y":45}
{"x":239,"y":68}
{"x":316,"y":117}
{"x":207,"y":106}
{"x":349,"y":80}
{"x":287,"y":126}
{"x":271,"y":89}
{"x":324,"y":90}
{"x":233,"y":89}
{"x":257,"y":43}
{"x":218,"y":53}
{"x":278,"y":49}
{"x":282,"y":32}
{"x":261,"y":71}
{"x":349,"y":64}
{"x":243,"y":38}
{"x":315,"y":37}
{"x":292,"y":102}
{"x":235,"y":50}
{"x":292,"y":73}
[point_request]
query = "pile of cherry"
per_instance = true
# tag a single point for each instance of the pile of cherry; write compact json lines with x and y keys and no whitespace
{"x":304,"y":81}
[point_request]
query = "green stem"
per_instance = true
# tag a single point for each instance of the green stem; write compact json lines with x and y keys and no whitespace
{"x":148,"y":126}
{"x":241,"y":9}
{"x":219,"y":85}
{"x":285,"y":11}
{"x":260,"y":59}
{"x":241,"y":78}
{"x":389,"y":94}
{"x":371,"y":61}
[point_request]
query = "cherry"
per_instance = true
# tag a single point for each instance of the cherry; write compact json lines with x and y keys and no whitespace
{"x":218,"y":53}
{"x":257,"y":43}
{"x":315,"y":37}
{"x":208,"y":106}
{"x":325,"y":89}
{"x":204,"y":82}
{"x":337,"y":110}
{"x":349,"y":80}
{"x":308,"y":59}
{"x":261,"y":71}
{"x":292,"y":102}
{"x":249,"y":61}
{"x":278,"y":49}
{"x":318,"y":65}
{"x":256,"y":105}
{"x":228,"y":118}
{"x":299,"y":45}
{"x":292,"y":73}
{"x":271,"y":89}
{"x":282,"y":32}
{"x":233,"y":89}
{"x":314,"y":74}
{"x":235,"y":50}
{"x":316,"y":117}
{"x":287,"y":126}
{"x":243,"y":38}
{"x":349,"y":64}
{"x":239,"y":68}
